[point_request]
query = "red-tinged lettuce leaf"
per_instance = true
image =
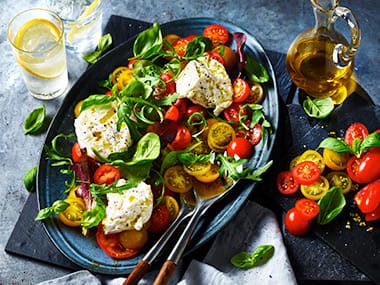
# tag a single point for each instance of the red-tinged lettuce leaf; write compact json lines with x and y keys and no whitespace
{"x":166,"y":130}
{"x":85,"y":168}
{"x":240,"y":39}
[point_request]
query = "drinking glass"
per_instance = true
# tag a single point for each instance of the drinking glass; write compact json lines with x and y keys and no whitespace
{"x":36,"y":36}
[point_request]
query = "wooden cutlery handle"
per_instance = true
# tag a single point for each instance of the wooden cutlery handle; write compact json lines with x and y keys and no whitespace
{"x":138,"y":272}
{"x":166,"y":271}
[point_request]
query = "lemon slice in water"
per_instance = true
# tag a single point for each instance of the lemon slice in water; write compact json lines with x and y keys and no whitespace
{"x":39,"y":53}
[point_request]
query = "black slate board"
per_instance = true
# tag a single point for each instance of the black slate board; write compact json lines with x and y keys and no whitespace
{"x":27,"y":236}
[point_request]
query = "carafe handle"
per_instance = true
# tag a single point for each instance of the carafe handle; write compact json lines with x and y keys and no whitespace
{"x":343,"y":55}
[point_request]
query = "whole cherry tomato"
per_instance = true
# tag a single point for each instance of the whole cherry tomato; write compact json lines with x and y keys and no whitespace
{"x":370,"y":197}
{"x":170,"y":87}
{"x":373,"y":215}
{"x":366,"y":168}
{"x":240,"y":147}
{"x":295,"y":223}
{"x":354,"y":131}
{"x":308,"y":209}
{"x":76,"y":153}
{"x":306,"y":172}
{"x":108,"y":93}
{"x":182,"y":138}
{"x":106,"y":174}
{"x":214,"y":55}
{"x":286,"y":184}
{"x":181,"y":104}
{"x":160,"y":219}
{"x":195,"y":109}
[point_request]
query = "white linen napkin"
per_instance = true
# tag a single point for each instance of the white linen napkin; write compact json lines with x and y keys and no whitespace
{"x":253,"y":226}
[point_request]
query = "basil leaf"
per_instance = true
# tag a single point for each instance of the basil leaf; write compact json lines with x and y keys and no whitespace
{"x":106,"y":83}
{"x":44,"y":213}
{"x":191,"y":158}
{"x":59,"y":206}
{"x":93,"y":217}
{"x":246,"y":174}
{"x":336,"y":145}
{"x":104,"y":43}
{"x":318,"y":108}
{"x":372,"y":140}
{"x":168,"y":100}
{"x":96,"y":100}
{"x":330,"y":205}
{"x":198,"y":46}
{"x":136,"y":88}
{"x":242,"y":260}
{"x":171,"y":159}
{"x":356,"y":145}
{"x":148,"y":149}
{"x":35,"y":120}
{"x":30,"y":179}
{"x":148,"y":43}
{"x":262,"y":254}
{"x":255,"y":71}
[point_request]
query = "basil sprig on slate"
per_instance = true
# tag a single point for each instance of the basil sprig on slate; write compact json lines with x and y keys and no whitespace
{"x":318,"y":108}
{"x":260,"y":256}
{"x":35,"y":120}
{"x":58,"y":207}
{"x":330,"y":205}
{"x":104,"y":43}
{"x":30,"y":179}
{"x":357,"y":148}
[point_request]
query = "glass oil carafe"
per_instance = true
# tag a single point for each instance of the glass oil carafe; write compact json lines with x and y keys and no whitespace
{"x":320,"y":60}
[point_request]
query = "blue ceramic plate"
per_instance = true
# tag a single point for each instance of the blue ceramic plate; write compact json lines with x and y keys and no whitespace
{"x":50,"y":182}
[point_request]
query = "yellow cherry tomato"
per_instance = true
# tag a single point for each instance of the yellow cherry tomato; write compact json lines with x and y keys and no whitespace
{"x":256,"y":93}
{"x":335,"y":160}
{"x":171,"y":205}
{"x":77,"y":108}
{"x":312,"y":155}
{"x":72,"y":194}
{"x":125,"y":78}
{"x":73,"y":213}
{"x":171,"y":38}
{"x":116,"y":74}
{"x":197,"y":168}
{"x":177,"y":180}
{"x":341,"y":180}
{"x":294,"y":162}
{"x":133,"y":239}
{"x":219,"y":136}
{"x":210,"y":175}
{"x":316,"y":190}
{"x":229,"y":57}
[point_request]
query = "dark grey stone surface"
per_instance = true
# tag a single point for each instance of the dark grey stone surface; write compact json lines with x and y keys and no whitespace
{"x":274,"y":23}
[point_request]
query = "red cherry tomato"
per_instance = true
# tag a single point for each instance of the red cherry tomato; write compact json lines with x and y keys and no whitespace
{"x":157,"y":191}
{"x":215,"y":55}
{"x":108,"y":93}
{"x":160,"y":219}
{"x":130,"y":64}
{"x":358,"y":198}
{"x":172,"y":113}
{"x":286,"y":183}
{"x":373,"y":215}
{"x":354,"y":131}
{"x":182,"y":138}
{"x":216,"y":33}
{"x":370,"y":197}
{"x":195,"y":109}
{"x":241,"y":147}
{"x":180,"y":46}
{"x":366,"y":168}
{"x":181,"y":104}
{"x":295,"y":223}
{"x":306,"y":172}
{"x":191,"y":37}
{"x":241,"y":90}
{"x":111,"y":245}
{"x":76,"y":153}
{"x":232,"y":112}
{"x":308,"y":209}
{"x":106,"y":174}
{"x":170,"y":87}
{"x":255,"y":134}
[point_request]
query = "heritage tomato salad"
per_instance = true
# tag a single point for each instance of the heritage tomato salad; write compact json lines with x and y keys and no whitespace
{"x":169,"y":119}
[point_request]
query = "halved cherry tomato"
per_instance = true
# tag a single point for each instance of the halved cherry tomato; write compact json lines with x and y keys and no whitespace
{"x":130,"y":64}
{"x":177,"y":180}
{"x":308,"y":209}
{"x":116,"y":73}
{"x":182,"y":138}
{"x":133,"y":239}
{"x":373,"y":215}
{"x":181,"y":104}
{"x":286,"y":184}
{"x":256,"y":93}
{"x":335,"y":160}
{"x":294,"y":162}
{"x":159,"y":220}
{"x":108,"y":93}
{"x":170,"y":86}
{"x":172,"y":113}
{"x":157,"y":191}
{"x":195,"y":109}
{"x":180,"y":46}
{"x":171,"y":205}
{"x":358,"y":198}
{"x":232,"y":112}
{"x":106,"y":174}
{"x":240,"y":147}
{"x":316,"y":190}
{"x":216,"y":33}
{"x":214,"y":55}
{"x":228,"y":55}
{"x":219,"y":136}
{"x":209,"y":176}
{"x":312,"y":155}
{"x":77,"y":108}
{"x":111,"y":245}
{"x":171,"y":38}
{"x":295,"y":223}
{"x":241,"y":90}
{"x":73,"y":213}
{"x":76,"y":153}
{"x":341,"y":180}
{"x":197,"y":168}
{"x":255,"y":134}
{"x":366,"y":168}
{"x":354,"y":131}
{"x":125,"y":78}
{"x":371,"y":197}
{"x":72,"y":194}
{"x":306,"y":172}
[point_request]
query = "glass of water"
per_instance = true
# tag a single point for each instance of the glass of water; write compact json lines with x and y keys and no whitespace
{"x":83,"y":23}
{"x":36,"y":36}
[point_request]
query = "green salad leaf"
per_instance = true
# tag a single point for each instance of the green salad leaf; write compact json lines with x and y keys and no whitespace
{"x":148,"y":42}
{"x":30,"y":179}
{"x":96,"y":100}
{"x":318,"y":108}
{"x":330,"y":205}
{"x":260,"y":256}
{"x":58,"y":207}
{"x":35,"y":120}
{"x":104,"y":43}
{"x":256,"y":71}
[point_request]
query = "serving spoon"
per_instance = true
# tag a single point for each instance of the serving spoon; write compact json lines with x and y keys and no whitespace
{"x":187,"y":209}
